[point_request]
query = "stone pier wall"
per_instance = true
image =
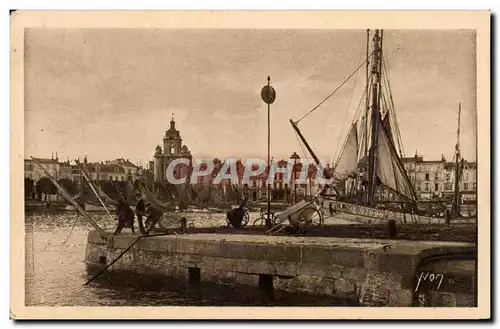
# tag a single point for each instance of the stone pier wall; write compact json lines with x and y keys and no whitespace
{"x":374,"y":272}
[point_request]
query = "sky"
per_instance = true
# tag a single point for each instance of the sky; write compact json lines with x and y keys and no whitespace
{"x":111,"y":93}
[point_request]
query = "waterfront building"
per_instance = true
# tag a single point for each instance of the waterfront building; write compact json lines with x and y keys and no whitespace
{"x":435,"y":179}
{"x":34,"y":172}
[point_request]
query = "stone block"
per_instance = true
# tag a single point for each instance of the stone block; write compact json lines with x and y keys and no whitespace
{"x":256,"y":251}
{"x":121,"y":242}
{"x":225,"y":264}
{"x":190,"y":261}
{"x":208,"y":263}
{"x":254,"y":266}
{"x":316,"y":255}
{"x":285,"y":268}
{"x":208,"y":248}
{"x":281,"y":284}
{"x":237,"y":250}
{"x":317,"y":269}
{"x":227,"y":277}
{"x":344,"y":287}
{"x":283,"y":253}
{"x":94,"y":237}
{"x":443,"y":299}
{"x":148,"y":244}
{"x":465,"y":300}
{"x":401,"y":298}
{"x":356,"y":274}
{"x":295,"y":284}
{"x":390,"y":261}
{"x":326,"y":286}
{"x":167,"y":245}
{"x":335,"y":271}
{"x":186,"y":247}
{"x":347,"y":257}
{"x":247,"y":279}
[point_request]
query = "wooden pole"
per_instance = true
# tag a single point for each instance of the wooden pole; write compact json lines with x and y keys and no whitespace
{"x":93,"y":189}
{"x":268,"y":219}
{"x":66,"y":195}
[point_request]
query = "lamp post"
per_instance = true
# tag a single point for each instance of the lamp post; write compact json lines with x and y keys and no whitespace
{"x":268,"y":95}
{"x":295,"y":157}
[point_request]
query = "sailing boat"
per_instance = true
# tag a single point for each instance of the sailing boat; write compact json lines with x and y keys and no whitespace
{"x":368,"y":171}
{"x":90,"y":191}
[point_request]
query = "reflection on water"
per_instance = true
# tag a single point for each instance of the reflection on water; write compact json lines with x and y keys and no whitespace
{"x":56,"y":272}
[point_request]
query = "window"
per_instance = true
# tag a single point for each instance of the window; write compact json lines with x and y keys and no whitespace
{"x":254,"y":183}
{"x":280,"y":186}
{"x":466,"y":176}
{"x":436,"y":187}
{"x":426,"y":176}
{"x":474,"y":186}
{"x":172,"y":149}
{"x":447,"y":176}
{"x":427,"y":186}
{"x":419,"y":188}
{"x":466,"y":186}
{"x":286,"y":186}
{"x":447,"y":186}
{"x":436,"y":176}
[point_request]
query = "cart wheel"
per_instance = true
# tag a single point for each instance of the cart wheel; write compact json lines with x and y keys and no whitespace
{"x":259,"y":221}
{"x":310,"y":217}
{"x":246,"y":219}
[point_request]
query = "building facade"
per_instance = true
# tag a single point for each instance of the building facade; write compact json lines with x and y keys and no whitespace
{"x":436,"y":179}
{"x":33,"y":171}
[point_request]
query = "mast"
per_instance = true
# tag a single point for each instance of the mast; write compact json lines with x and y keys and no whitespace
{"x":456,"y":199}
{"x":374,"y":116}
{"x":367,"y":100}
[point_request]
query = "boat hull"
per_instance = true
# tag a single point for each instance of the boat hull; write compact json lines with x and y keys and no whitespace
{"x":367,"y":215}
{"x":91,"y":208}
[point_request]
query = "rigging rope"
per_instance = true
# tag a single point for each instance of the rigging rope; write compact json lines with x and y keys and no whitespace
{"x":336,"y":89}
{"x":398,"y":131}
{"x":304,"y":153}
{"x":335,"y":154}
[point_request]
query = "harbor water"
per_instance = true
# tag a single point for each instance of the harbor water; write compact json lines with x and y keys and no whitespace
{"x":56,"y":272}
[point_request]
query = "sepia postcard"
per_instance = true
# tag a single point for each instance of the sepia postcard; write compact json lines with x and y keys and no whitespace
{"x":250,"y":165}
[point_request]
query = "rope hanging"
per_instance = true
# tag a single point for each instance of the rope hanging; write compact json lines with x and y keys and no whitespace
{"x":336,"y":89}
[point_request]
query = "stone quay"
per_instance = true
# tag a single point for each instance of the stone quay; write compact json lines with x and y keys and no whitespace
{"x":372,"y":272}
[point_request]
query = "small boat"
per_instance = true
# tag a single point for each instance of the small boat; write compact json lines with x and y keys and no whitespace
{"x":196,"y":210}
{"x":87,"y":207}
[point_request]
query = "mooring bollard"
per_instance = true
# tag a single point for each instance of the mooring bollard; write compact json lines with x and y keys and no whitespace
{"x":183,"y":225}
{"x":391,"y":228}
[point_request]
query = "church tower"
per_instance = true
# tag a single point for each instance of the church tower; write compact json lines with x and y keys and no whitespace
{"x":172,"y":149}
{"x":172,"y":141}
